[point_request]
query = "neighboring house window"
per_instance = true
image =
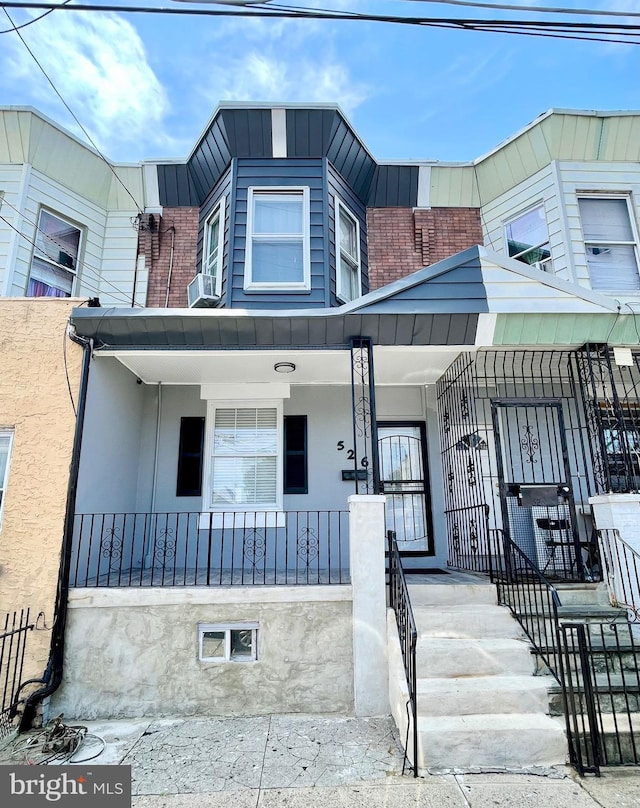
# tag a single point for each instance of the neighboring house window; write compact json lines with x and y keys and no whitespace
{"x":277,"y":249}
{"x":246,"y":458}
{"x":228,"y":642}
{"x":213,"y":245}
{"x":190,"y":455}
{"x":610,"y":242}
{"x":295,"y":454}
{"x":6,"y":439}
{"x":527,"y":239}
{"x":55,"y":259}
{"x":348,"y":270}
{"x":622,"y":446}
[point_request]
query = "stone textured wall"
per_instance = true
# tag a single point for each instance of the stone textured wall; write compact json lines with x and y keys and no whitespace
{"x":127,"y":660}
{"x":404,"y":240}
{"x":34,"y":402}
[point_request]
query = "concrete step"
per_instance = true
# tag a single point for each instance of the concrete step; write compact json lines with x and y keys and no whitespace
{"x":445,"y":658}
{"x":481,"y":694}
{"x":446,"y":594}
{"x":496,"y":740}
{"x":468,"y":620}
{"x":583,"y":594}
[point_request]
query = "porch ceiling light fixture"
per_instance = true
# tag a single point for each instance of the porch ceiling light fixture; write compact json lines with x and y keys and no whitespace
{"x":284,"y":367}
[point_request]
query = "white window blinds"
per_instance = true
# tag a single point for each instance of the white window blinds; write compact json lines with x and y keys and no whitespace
{"x":245,"y":457}
{"x":610,"y":243}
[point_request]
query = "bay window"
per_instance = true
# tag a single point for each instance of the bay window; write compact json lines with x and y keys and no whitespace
{"x":277,"y":247}
{"x":213,"y":245}
{"x":610,"y":243}
{"x":54,"y":264}
{"x":347,"y":254}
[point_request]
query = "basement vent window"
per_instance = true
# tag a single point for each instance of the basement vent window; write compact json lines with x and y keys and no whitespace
{"x":228,"y":642}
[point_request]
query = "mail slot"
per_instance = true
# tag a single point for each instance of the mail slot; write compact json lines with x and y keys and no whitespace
{"x":553,"y":524}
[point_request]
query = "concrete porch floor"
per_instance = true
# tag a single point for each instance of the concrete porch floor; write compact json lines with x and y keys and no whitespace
{"x":320,"y":762}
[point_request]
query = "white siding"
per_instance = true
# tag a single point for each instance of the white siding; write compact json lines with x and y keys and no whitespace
{"x":540,"y":188}
{"x":617,"y":177}
{"x":108,"y":251}
{"x":10,"y":187}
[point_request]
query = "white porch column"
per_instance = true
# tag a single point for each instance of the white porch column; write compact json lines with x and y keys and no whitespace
{"x":620,"y":512}
{"x":366,"y":557}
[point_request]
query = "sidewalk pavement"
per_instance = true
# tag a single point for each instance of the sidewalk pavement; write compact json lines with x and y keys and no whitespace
{"x":318,"y":762}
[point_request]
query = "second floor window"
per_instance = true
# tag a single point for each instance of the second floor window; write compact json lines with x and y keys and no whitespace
{"x":55,"y":258}
{"x":277,"y":250}
{"x":213,"y":245}
{"x":610,"y":243}
{"x":348,"y":269}
{"x":527,"y":239}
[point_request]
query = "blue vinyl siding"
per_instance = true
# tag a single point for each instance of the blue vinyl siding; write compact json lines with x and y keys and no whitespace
{"x":222,"y":188}
{"x":338,"y":188}
{"x":279,"y":173}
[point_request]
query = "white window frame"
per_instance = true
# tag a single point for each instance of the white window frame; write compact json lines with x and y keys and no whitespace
{"x":73,"y":272}
{"x":594,"y":243}
{"x":545,"y":265}
{"x":3,"y":482}
{"x":304,"y":285}
{"x":207,"y":486}
{"x":357,"y":262}
{"x":203,"y":628}
{"x":214,"y":268}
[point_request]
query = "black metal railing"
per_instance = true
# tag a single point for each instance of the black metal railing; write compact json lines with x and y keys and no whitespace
{"x":602,"y":692}
{"x":13,"y":643}
{"x":468,"y":539}
{"x":532,"y":599}
{"x":621,"y":571}
{"x":408,"y":634}
{"x":210,"y":549}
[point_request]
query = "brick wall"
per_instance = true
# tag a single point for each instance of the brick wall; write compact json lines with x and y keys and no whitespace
{"x":403,"y":240}
{"x":181,"y":224}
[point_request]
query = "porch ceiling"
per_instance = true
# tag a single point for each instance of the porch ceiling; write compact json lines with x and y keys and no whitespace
{"x":392,"y":366}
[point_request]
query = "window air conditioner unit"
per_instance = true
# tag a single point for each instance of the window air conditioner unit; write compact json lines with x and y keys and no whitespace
{"x":201,"y":292}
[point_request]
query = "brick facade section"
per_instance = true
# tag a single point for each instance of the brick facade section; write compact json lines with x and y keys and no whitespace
{"x":181,"y":225}
{"x":404,"y":240}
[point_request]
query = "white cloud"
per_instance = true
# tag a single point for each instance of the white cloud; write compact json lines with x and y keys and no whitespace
{"x":99,"y":65}
{"x":280,"y":60}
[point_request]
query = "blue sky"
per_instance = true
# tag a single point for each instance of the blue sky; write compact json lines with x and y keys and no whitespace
{"x":145,"y":86}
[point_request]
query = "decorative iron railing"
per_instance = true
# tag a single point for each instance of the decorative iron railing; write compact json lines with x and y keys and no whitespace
{"x":621,"y":571}
{"x":13,"y":644}
{"x":407,"y":632}
{"x":210,"y":549}
{"x":469,"y":545}
{"x":532,"y":599}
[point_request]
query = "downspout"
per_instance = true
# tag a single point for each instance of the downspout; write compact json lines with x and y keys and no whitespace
{"x":52,"y":676}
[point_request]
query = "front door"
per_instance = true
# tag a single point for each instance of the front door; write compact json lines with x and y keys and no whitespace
{"x":535,"y":484}
{"x":403,"y":479}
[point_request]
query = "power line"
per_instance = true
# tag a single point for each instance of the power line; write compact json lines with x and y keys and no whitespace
{"x":543,"y":9}
{"x":30,"y":22}
{"x":61,"y":7}
{"x":600,"y":32}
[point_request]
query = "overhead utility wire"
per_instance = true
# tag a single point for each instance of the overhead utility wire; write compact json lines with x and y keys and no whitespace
{"x":35,"y":19}
{"x":61,"y":7}
{"x":544,"y":9}
{"x":559,"y":30}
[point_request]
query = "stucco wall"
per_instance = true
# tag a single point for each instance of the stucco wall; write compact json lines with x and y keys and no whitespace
{"x":34,"y":402}
{"x":135,"y":653}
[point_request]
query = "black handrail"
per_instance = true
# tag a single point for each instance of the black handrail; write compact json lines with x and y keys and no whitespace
{"x":408,"y":634}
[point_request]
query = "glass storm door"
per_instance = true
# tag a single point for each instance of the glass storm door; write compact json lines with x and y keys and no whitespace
{"x":403,"y":479}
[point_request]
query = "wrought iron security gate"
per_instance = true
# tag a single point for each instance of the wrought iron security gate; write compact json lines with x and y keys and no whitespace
{"x":536,"y":496}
